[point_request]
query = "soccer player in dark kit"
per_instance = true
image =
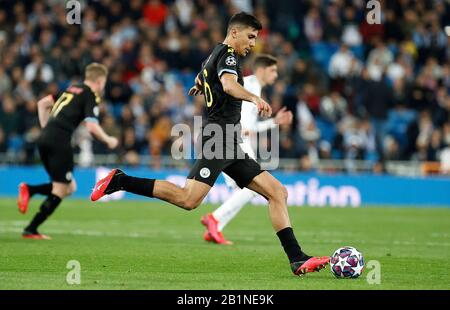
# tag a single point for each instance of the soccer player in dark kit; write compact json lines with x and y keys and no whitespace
{"x":59,"y":119}
{"x":221,"y":83}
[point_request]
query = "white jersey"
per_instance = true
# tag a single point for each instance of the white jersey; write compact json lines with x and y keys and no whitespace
{"x":249,"y":115}
{"x":249,"y":121}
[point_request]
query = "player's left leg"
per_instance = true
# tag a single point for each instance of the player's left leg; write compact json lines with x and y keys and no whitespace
{"x":58,"y":162}
{"x":248,"y":173}
{"x":48,"y":206}
{"x":26,"y":191}
{"x":268,"y":186}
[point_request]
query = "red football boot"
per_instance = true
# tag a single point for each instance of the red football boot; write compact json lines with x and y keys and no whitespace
{"x":207,"y":237}
{"x":313,"y":264}
{"x":213,"y":234}
{"x":23,"y":198}
{"x":101,"y":187}
{"x":36,"y":236}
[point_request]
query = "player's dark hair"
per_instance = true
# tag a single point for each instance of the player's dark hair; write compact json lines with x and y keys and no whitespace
{"x":264,"y":61}
{"x":244,"y":19}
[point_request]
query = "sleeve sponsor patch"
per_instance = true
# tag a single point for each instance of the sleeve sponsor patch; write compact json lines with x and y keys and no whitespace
{"x":230,"y":61}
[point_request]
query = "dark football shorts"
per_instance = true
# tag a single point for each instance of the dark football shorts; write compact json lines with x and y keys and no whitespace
{"x":242,"y":171}
{"x":57,"y":156}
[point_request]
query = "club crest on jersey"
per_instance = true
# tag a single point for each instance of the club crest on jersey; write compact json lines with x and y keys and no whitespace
{"x":69,"y":176}
{"x":205,"y":173}
{"x":230,"y":61}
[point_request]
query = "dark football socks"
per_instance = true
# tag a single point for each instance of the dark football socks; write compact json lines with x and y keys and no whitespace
{"x":291,"y":246}
{"x":47,"y":208}
{"x":138,"y":186}
{"x":43,"y":189}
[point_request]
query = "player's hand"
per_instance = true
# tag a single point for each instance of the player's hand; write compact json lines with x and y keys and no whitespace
{"x":283,"y":117}
{"x":112,"y":143}
{"x":264,"y":109}
{"x":195,"y":90}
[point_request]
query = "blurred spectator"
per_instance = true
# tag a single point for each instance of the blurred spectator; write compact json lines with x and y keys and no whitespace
{"x":313,"y":25}
{"x":9,"y":116}
{"x":378,"y":60}
{"x":377,"y":99}
{"x":130,"y":147}
{"x":343,"y":63}
{"x":434,"y":146}
{"x":399,"y":127}
{"x":155,"y":12}
{"x":37,"y":70}
{"x":304,"y":116}
{"x":118,"y":92}
{"x":351,"y":36}
{"x":445,"y":161}
{"x":425,"y":127}
{"x":5,"y":82}
{"x":3,"y":142}
{"x":333,"y":107}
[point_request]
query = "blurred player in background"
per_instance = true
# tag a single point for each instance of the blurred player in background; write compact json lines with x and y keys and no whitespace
{"x":265,"y":74}
{"x":58,"y":121}
{"x":221,"y":81}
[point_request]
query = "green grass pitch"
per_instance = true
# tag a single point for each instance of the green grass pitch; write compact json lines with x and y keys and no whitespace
{"x":152,"y":245}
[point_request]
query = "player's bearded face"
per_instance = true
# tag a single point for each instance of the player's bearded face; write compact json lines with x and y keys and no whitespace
{"x":246,"y":40}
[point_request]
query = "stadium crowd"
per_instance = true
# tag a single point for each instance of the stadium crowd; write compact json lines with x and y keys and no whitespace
{"x":364,"y":91}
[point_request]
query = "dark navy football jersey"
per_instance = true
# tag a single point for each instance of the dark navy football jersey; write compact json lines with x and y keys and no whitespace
{"x":76,"y":104}
{"x":222,"y":108}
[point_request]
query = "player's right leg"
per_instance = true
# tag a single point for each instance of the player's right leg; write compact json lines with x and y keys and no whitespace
{"x":188,"y":197}
{"x":201,"y":178}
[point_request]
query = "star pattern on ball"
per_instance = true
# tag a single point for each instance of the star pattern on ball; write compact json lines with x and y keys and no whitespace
{"x":347,"y":262}
{"x":358,"y":269}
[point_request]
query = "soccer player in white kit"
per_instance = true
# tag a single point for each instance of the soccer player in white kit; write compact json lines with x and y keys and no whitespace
{"x":265,"y":73}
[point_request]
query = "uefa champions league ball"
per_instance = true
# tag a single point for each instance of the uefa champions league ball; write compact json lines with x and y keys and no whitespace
{"x":347,"y":262}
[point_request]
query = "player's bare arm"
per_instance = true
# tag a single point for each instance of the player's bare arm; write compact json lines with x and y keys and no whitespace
{"x":44,"y":108}
{"x":233,"y":88}
{"x":97,"y":131}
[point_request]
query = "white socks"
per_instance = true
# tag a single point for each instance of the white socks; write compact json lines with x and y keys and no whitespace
{"x":230,"y":208}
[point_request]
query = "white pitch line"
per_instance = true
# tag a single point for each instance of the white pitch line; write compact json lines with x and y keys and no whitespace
{"x":174,"y":235}
{"x":16,"y":227}
{"x":79,"y":232}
